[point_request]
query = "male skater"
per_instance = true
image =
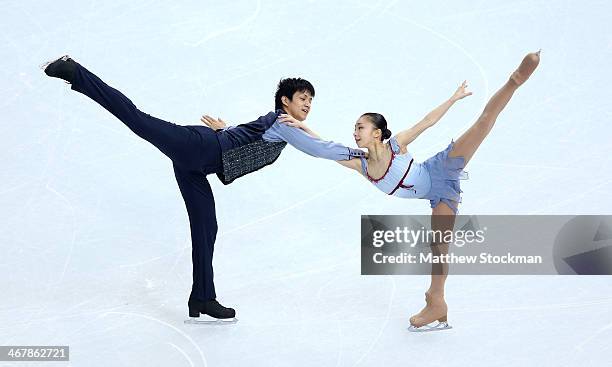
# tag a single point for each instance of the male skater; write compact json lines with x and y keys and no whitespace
{"x":197,"y":151}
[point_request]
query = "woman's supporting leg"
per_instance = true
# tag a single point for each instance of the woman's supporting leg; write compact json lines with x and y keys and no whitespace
{"x":468,"y":143}
{"x":200,"y":204}
{"x":178,"y":143}
{"x":442,"y":219}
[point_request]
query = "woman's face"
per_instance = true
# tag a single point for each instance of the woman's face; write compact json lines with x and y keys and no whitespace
{"x":365,"y":132}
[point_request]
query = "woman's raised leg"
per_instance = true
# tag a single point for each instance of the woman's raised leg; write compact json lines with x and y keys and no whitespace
{"x":468,"y":143}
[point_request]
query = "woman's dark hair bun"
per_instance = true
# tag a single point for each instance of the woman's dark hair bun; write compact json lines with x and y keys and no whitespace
{"x":379,"y":121}
{"x":386,"y":134}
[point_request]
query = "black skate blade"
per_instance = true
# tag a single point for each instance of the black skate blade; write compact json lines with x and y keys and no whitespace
{"x":207,"y":320}
{"x":439,"y":326}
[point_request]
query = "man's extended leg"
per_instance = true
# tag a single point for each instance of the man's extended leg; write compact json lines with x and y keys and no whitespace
{"x":178,"y":143}
{"x":200,"y":204}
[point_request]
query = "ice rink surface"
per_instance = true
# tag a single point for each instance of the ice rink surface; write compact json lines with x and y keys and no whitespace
{"x":94,"y":234}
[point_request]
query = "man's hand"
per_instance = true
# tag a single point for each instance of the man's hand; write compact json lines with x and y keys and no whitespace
{"x":215,"y":124}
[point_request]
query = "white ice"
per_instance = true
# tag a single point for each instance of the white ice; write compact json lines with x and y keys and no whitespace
{"x":95,"y":238}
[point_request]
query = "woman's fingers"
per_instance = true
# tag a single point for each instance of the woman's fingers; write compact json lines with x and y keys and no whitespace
{"x":288,"y":120}
{"x":284,"y":117}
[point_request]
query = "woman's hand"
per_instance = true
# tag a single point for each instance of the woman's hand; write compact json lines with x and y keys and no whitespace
{"x":290,"y":121}
{"x":461,"y":92}
{"x":215,"y":124}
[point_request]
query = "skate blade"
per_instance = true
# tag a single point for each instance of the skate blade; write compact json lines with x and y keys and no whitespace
{"x":430,"y":327}
{"x":210,"y":321}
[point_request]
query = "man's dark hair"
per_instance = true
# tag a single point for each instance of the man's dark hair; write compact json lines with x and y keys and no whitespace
{"x":287,"y":88}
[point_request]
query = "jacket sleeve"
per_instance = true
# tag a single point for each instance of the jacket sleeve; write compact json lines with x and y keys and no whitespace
{"x":310,"y":145}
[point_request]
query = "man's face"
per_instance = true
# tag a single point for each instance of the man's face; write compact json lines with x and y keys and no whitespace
{"x":299,"y":105}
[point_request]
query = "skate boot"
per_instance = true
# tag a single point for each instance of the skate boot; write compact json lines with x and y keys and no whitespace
{"x":431,"y":318}
{"x":216,"y":312}
{"x":62,"y":68}
{"x":527,"y":67}
{"x":436,"y":325}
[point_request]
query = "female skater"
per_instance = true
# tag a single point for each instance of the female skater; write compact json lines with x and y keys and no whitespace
{"x":391,"y":169}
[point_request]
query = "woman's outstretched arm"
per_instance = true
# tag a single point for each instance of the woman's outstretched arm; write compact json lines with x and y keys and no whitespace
{"x":354,"y":163}
{"x":292,"y":121}
{"x":407,"y":136}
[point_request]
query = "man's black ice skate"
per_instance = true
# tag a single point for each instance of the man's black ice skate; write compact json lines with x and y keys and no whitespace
{"x":216,"y":312}
{"x":62,"y":68}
